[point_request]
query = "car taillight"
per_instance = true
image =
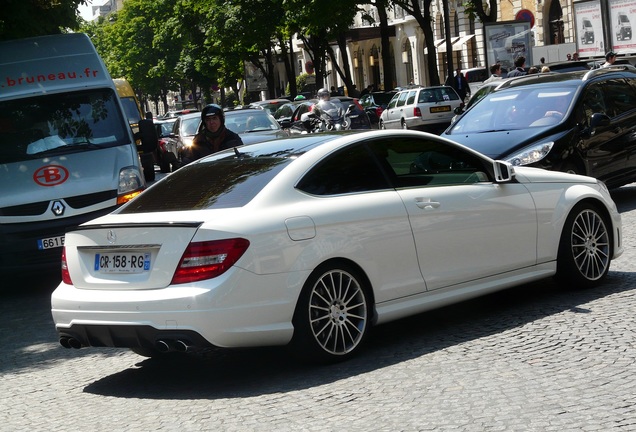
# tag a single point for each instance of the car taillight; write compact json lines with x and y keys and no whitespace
{"x":417,"y":112}
{"x":206,"y":260}
{"x":66,"y":276}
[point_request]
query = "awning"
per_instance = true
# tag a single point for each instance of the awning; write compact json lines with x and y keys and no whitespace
{"x":442,"y":47}
{"x":436,"y":42}
{"x":458,"y":44}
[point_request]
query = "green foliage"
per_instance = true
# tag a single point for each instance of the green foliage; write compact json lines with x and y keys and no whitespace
{"x":26,"y":18}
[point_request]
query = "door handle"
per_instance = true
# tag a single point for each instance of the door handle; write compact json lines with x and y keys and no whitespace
{"x":426,"y":203}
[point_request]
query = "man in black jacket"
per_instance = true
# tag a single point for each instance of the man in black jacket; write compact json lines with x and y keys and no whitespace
{"x":149,"y":139}
{"x":213,"y":136}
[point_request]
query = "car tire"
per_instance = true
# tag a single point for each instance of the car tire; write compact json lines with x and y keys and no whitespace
{"x":381,"y":125}
{"x":332,"y":316}
{"x":404,"y":125}
{"x":584,"y":248}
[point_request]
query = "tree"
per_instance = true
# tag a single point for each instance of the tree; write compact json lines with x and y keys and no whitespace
{"x":26,"y":18}
{"x":476,"y":8}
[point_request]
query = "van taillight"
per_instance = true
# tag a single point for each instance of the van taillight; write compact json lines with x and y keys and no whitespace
{"x":417,"y":112}
{"x":66,"y":276}
{"x":206,"y":260}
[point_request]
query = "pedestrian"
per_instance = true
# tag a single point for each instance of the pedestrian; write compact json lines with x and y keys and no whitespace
{"x":495,"y":73}
{"x":212,"y":137}
{"x":569,"y":56}
{"x":460,"y":84}
{"x":610,"y":58}
{"x":533,"y":70}
{"x":519,"y":69}
{"x":545,"y":69}
{"x":367,"y":89}
{"x":542,"y":60}
{"x":575,"y":56}
{"x":149,"y":139}
{"x":354,"y":91}
{"x":334,"y":92}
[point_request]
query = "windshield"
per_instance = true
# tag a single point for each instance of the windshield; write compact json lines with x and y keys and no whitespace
{"x":131,"y":109}
{"x":64,"y":123}
{"x":190,"y":126}
{"x":518,"y":108}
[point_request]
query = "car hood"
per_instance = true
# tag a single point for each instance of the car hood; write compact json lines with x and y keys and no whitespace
{"x":499,"y":144}
{"x":526,"y":174}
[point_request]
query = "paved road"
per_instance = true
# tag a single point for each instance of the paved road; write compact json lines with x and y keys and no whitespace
{"x":535,"y":358}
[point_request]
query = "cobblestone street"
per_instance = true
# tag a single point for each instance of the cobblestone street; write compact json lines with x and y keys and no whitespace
{"x":534,"y":358}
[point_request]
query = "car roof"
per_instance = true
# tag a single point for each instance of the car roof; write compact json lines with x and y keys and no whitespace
{"x":567,"y":78}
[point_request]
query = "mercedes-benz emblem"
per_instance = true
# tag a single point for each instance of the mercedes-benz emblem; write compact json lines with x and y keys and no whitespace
{"x":111,"y":236}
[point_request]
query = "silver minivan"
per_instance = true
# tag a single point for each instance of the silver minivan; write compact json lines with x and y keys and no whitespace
{"x":67,"y":153}
{"x":425,"y":108}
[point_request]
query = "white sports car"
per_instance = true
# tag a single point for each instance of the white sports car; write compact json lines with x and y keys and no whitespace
{"x":309,"y":241}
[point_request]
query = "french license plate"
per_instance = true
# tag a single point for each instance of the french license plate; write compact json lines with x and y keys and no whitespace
{"x":122,"y":262}
{"x":443,"y":108}
{"x":51,"y":242}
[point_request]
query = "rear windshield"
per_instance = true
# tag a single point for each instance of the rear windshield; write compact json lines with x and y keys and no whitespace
{"x":437,"y":95}
{"x":225,"y":183}
{"x":36,"y":127}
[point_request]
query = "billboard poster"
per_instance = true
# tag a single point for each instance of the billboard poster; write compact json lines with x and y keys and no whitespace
{"x":254,"y":78}
{"x":589,"y":29}
{"x":622,"y":15}
{"x":506,"y":41}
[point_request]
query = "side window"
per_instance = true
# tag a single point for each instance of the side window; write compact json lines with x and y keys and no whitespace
{"x":393,"y":101}
{"x":402,"y":98}
{"x":347,"y":171}
{"x":411,"y":97}
{"x":593,"y":102}
{"x":620,"y":96}
{"x":419,"y":162}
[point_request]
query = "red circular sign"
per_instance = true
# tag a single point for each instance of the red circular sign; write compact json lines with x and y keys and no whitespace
{"x":50,"y":175}
{"x":525,"y":15}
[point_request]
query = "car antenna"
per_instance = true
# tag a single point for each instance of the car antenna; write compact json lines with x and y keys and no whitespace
{"x":237,"y":153}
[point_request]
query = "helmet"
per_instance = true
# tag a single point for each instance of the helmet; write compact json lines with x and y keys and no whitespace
{"x":323,"y":94}
{"x":299,"y":97}
{"x":212,"y":110}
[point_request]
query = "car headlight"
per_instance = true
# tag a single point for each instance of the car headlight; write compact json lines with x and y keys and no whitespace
{"x":532,"y":154}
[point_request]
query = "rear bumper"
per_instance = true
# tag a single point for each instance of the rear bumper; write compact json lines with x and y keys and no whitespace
{"x":244,"y":310}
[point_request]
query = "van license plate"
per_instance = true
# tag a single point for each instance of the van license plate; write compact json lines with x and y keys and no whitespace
{"x":437,"y":109}
{"x":51,"y":242}
{"x":124,"y":262}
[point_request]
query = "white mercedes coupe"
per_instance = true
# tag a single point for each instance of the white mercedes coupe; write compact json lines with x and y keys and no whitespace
{"x":310,"y":241}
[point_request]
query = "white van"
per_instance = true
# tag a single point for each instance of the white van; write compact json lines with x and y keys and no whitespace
{"x":67,"y":153}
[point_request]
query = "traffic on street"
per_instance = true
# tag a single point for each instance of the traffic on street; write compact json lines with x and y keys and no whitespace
{"x":535,"y":357}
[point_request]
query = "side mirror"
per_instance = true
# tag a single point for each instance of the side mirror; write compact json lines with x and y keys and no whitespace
{"x":504,"y":171}
{"x":458,"y":110}
{"x":599,"y":120}
{"x":285,"y":123}
{"x":350,"y":108}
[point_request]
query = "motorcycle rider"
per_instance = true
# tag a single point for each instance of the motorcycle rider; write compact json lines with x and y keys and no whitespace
{"x":212,"y":137}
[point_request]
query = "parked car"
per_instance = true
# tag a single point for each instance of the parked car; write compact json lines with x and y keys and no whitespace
{"x":374,"y":103}
{"x":167,"y":151}
{"x":580,"y":122}
{"x":425,"y":108}
{"x":271,"y":105}
{"x":309,"y":241}
{"x":475,"y":77}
